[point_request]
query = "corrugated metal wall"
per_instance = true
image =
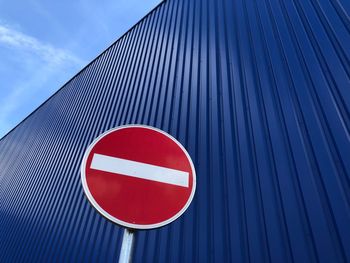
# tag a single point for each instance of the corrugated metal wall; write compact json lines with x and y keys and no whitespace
{"x":259,"y":94}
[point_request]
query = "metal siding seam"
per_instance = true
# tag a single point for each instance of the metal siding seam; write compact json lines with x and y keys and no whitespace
{"x":12,"y":150}
{"x":24,"y":194}
{"x":163,"y":85}
{"x":22,"y":180}
{"x":161,"y":61}
{"x":255,"y":116}
{"x":111,"y":82}
{"x":141,"y":50}
{"x":153,"y":238}
{"x":285,"y":121}
{"x":139,"y":55}
{"x":187,"y":225}
{"x":181,"y":88}
{"x":343,"y":117}
{"x":224,"y":83}
{"x":11,"y":206}
{"x":342,"y":14}
{"x":195,"y":110}
{"x":57,"y":222}
{"x":236,"y":244}
{"x":204,"y":240}
{"x":96,"y":128}
{"x":269,"y":143}
{"x":107,"y":81}
{"x":146,"y":97}
{"x":309,"y":226}
{"x":330,"y":31}
{"x":42,"y":193}
{"x":77,"y":181}
{"x":242,"y":112}
{"x":135,"y":101}
{"x":49,"y":189}
{"x":121,"y":78}
{"x":311,"y":154}
{"x":214,"y":135}
{"x":130,"y":69}
{"x":320,"y":184}
{"x":117,"y":80}
{"x":148,"y":71}
{"x":111,"y":120}
{"x":170,"y":98}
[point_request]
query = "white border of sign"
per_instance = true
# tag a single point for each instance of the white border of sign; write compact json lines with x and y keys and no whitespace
{"x":114,"y":219}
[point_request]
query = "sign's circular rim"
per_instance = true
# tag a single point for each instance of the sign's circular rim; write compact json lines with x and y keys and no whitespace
{"x":114,"y":219}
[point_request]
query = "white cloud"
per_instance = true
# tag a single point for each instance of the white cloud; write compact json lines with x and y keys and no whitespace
{"x":15,"y":39}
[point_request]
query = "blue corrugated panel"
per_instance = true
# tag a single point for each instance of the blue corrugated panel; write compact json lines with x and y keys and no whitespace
{"x":259,"y":94}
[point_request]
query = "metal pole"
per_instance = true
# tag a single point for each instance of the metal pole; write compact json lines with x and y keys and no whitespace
{"x":126,"y":250}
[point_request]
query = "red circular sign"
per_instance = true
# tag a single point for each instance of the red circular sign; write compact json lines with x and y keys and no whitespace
{"x":138,"y":176}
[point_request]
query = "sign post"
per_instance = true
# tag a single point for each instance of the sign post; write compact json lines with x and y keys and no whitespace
{"x":138,"y":177}
{"x":127,"y":246}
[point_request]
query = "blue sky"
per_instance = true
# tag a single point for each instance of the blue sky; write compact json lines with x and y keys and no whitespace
{"x":44,"y":43}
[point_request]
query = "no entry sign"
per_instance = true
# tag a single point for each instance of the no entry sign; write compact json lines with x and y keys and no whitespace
{"x":138,"y":176}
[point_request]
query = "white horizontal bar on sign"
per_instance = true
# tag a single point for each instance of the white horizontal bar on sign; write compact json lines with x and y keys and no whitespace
{"x":139,"y":170}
